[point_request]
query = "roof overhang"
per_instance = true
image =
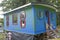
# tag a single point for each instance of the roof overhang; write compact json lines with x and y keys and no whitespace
{"x":48,"y":6}
{"x":31,"y":4}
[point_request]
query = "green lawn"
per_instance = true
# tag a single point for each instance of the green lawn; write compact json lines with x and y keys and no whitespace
{"x":56,"y":39}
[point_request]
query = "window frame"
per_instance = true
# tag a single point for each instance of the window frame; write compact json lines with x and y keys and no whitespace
{"x":23,"y":18}
{"x":40,"y":14}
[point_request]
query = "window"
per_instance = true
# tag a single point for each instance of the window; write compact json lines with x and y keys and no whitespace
{"x":14,"y":17}
{"x":7,"y":20}
{"x":47,"y":16}
{"x":47,"y":13}
{"x":22,"y":19}
{"x":40,"y":14}
{"x":52,"y":16}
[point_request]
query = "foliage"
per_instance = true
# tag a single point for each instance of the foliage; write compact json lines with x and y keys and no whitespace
{"x":11,"y":4}
{"x":2,"y":36}
{"x":2,"y":21}
{"x":58,"y":18}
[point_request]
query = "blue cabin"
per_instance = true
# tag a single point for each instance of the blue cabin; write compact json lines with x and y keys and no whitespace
{"x":31,"y":18}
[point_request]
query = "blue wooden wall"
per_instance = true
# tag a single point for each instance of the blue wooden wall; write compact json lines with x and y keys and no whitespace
{"x":53,"y":19}
{"x":40,"y":23}
{"x":29,"y":29}
{"x":34,"y":25}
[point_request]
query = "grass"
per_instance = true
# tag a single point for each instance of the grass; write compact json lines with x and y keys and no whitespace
{"x":58,"y":27}
{"x":56,"y":39}
{"x":2,"y":36}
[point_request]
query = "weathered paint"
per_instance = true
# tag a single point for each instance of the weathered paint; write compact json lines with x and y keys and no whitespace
{"x":29,"y":22}
{"x":34,"y":25}
{"x":40,"y":24}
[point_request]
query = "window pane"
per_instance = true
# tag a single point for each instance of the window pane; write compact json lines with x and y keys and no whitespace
{"x":40,"y":14}
{"x":52,"y":16}
{"x":47,"y":13}
{"x":14,"y":17}
{"x":7,"y":20}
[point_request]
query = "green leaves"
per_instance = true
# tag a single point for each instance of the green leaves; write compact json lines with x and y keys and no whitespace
{"x":11,"y":4}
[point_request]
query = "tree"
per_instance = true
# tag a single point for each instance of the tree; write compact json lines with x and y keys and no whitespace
{"x":2,"y":21}
{"x":11,"y":4}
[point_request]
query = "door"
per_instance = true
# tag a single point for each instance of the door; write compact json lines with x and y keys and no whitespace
{"x":39,"y":14}
{"x":47,"y":19}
